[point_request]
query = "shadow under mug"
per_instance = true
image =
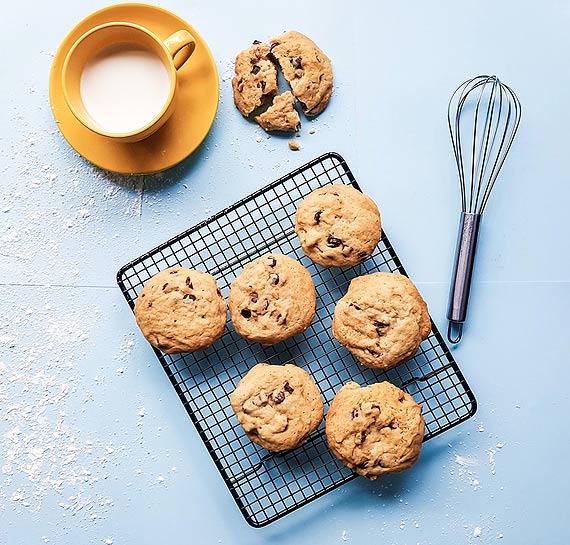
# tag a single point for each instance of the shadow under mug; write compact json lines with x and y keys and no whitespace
{"x":172,"y":52}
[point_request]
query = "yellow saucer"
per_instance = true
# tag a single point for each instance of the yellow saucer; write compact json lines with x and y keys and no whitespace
{"x":189,"y":124}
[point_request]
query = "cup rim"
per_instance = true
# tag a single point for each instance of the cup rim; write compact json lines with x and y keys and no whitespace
{"x":168,"y":65}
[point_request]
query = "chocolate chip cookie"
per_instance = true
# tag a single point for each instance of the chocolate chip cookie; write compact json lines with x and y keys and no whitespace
{"x":375,"y":429}
{"x":272,"y":299}
{"x":277,"y":405}
{"x":307,"y":69}
{"x":281,"y":115}
{"x":382,"y":319}
{"x":338,"y":225}
{"x":255,"y":79}
{"x":181,"y":310}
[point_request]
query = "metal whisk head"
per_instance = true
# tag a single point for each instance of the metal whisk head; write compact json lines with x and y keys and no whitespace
{"x":483,"y":117}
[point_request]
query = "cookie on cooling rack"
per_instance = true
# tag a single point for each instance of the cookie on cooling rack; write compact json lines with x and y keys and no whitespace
{"x":255,"y":79}
{"x":338,"y":225}
{"x":382,"y":319}
{"x":278,"y":406}
{"x":181,"y":310}
{"x":272,"y":299}
{"x":375,"y":429}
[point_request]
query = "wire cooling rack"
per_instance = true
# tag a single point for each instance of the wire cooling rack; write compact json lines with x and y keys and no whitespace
{"x":265,"y":485}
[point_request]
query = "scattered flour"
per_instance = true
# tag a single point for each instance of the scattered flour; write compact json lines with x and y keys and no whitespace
{"x":492,"y":460}
{"x":467,"y":470}
{"x":465,"y":461}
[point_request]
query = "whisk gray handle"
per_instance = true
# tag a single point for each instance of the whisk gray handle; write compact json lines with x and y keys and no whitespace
{"x":462,"y":272}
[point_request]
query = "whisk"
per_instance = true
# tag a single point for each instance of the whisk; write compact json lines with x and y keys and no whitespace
{"x":483,"y":116}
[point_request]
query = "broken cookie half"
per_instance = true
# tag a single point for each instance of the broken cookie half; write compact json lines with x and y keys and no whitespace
{"x":255,"y":79}
{"x":307,"y":69}
{"x":281,"y":115}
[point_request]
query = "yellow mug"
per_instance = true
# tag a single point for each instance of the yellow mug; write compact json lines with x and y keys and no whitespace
{"x":124,"y":49}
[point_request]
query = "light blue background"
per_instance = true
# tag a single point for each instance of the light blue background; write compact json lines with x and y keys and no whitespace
{"x":132,"y":468}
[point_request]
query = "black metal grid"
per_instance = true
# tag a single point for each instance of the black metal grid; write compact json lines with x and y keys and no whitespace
{"x":267,"y":486}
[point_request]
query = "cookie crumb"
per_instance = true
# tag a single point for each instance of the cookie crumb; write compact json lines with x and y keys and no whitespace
{"x":294,"y":146}
{"x":477,"y":531}
{"x":312,"y":131}
{"x":344,"y":537}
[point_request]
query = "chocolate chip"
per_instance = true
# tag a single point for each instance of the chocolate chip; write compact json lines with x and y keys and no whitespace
{"x":254,"y":299}
{"x":271,"y":261}
{"x":246,"y":313}
{"x":255,"y":69}
{"x":189,"y":297}
{"x":274,"y":277}
{"x":355,"y":413}
{"x":379,"y":327}
{"x":379,"y":463}
{"x":278,"y":398}
{"x":219,"y":292}
{"x":333,"y":242}
{"x":392,"y":426}
{"x":150,"y":305}
{"x":143,"y":295}
{"x":164,"y":287}
{"x":362,"y":437}
{"x":255,"y":42}
{"x":189,"y":282}
{"x":362,"y":464}
{"x":297,"y":63}
{"x":362,"y":255}
{"x":355,"y":306}
{"x":262,"y":85}
{"x":318,"y":216}
{"x":288,"y":388}
{"x":174,"y":272}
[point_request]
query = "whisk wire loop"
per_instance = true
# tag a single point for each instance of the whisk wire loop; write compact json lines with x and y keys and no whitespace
{"x":487,"y":134}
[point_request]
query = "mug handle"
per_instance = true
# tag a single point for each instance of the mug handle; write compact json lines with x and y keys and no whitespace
{"x":180,"y":42}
